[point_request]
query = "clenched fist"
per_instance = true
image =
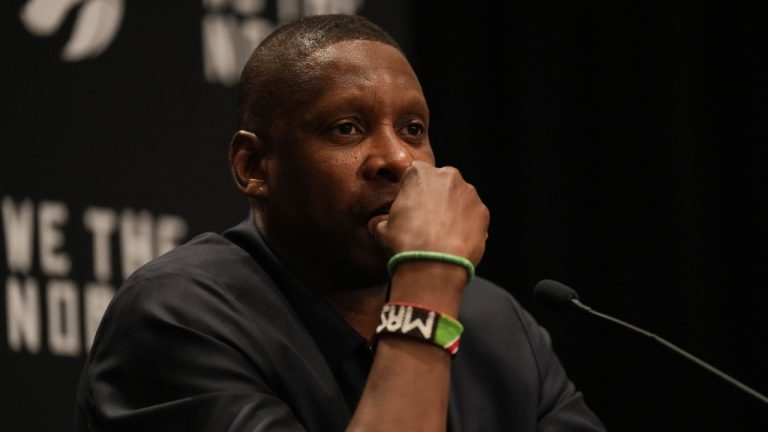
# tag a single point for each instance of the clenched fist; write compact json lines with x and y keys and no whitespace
{"x":435,"y":210}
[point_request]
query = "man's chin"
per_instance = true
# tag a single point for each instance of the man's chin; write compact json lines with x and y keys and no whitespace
{"x":364,"y":270}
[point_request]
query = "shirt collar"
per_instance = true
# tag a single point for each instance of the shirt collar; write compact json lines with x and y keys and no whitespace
{"x":335,"y":338}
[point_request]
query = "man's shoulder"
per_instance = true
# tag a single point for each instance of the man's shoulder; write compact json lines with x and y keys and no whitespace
{"x":207,"y":253}
{"x":209,"y":266}
{"x":209,"y":285}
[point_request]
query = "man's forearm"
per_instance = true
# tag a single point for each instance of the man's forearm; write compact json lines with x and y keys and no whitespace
{"x":408,"y":386}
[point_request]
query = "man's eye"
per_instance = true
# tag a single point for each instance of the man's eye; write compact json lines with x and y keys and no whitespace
{"x":346,"y":128}
{"x":414,"y":129}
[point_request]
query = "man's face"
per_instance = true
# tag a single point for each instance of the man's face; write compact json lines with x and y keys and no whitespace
{"x":340,"y":159}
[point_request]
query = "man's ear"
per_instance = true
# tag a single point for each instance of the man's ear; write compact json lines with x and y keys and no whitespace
{"x":248,"y":161}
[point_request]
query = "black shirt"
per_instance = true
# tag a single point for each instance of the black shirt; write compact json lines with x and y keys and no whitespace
{"x":216,"y":335}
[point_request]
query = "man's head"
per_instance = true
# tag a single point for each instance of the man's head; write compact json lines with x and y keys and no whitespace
{"x":279,"y":71}
{"x":331,"y":125}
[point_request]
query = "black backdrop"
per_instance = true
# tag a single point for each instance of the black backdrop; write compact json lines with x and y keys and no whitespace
{"x":620,"y":148}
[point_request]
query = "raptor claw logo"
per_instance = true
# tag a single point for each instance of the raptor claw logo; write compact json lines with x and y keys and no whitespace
{"x":96,"y":25}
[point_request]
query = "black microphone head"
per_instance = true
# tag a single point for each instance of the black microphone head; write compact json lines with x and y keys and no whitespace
{"x":555,"y":294}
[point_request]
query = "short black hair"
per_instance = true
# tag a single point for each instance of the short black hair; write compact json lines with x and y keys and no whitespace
{"x":278,"y":67}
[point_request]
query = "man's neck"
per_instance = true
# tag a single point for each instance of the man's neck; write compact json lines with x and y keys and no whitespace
{"x":359,"y":306}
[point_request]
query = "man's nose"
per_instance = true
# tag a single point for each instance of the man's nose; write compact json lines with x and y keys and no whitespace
{"x":388,"y":156}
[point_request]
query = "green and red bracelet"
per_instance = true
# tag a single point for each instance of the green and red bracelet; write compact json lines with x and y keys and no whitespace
{"x":421,"y":323}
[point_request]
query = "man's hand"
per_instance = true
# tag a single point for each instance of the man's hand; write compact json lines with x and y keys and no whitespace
{"x":435,"y":210}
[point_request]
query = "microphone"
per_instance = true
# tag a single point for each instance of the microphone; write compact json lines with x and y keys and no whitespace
{"x":561,"y":296}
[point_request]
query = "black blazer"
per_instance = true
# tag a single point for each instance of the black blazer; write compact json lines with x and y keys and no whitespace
{"x":216,"y":336}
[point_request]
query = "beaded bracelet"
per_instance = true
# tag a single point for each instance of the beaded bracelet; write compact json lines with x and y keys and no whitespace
{"x":432,"y":256}
{"x":420,"y":323}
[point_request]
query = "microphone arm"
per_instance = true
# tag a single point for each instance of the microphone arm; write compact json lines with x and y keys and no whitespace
{"x":562,"y":296}
{"x":578,"y":304}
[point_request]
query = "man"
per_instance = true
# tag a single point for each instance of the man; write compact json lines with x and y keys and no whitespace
{"x":273,"y":325}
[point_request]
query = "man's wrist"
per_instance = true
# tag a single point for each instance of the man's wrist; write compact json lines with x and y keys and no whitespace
{"x":435,"y":284}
